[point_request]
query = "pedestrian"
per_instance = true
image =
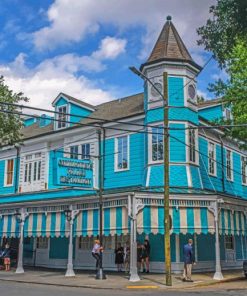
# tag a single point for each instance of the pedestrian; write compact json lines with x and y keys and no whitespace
{"x":96,"y":252}
{"x":119,"y":257}
{"x":146,"y":256}
{"x":127,"y":257}
{"x":139,"y":256}
{"x":6,"y":257}
{"x":188,"y":261}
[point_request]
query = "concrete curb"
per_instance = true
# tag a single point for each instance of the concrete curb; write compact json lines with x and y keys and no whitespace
{"x":128,"y":286}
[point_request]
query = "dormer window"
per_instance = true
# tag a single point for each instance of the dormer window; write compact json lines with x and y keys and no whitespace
{"x":62,"y":117}
{"x":228,"y":115}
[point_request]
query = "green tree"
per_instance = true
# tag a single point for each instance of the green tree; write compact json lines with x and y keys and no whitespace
{"x":234,"y":90}
{"x":225,"y":35}
{"x":10,"y":124}
{"x":227,"y":25}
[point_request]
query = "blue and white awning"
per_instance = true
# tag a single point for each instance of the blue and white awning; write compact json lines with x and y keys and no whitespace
{"x":184,"y":220}
{"x":232,"y":222}
{"x":54,"y":224}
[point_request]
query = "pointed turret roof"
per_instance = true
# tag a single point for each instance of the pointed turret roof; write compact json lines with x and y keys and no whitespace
{"x":170,"y":46}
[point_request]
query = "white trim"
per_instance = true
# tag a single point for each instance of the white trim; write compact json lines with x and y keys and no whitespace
{"x":116,"y":169}
{"x":148,"y":176}
{"x":5,"y":171}
{"x":231,"y":168}
{"x":189,"y":178}
{"x":150,"y":161}
{"x":214,"y":160}
{"x":57,"y":117}
{"x":209,"y":106}
{"x":196,"y":145}
{"x":82,"y":104}
{"x":241,"y":167}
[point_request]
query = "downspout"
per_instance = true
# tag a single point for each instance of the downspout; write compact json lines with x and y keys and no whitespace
{"x":17,"y":167}
{"x":222,"y":165}
{"x":103,"y":160}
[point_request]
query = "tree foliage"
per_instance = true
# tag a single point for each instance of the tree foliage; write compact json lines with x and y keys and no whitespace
{"x":10,"y":124}
{"x":225,"y":35}
{"x":227,"y":25}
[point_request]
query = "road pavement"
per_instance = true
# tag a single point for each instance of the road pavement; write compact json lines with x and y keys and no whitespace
{"x":22,"y":289}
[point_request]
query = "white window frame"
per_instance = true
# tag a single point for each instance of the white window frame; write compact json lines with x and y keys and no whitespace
{"x":5,"y":172}
{"x":243,"y":159}
{"x":231,"y":166}
{"x":66,"y":116}
{"x":76,"y":154}
{"x":87,"y":156}
{"x":214,"y":174}
{"x":31,"y":174}
{"x":230,"y":236}
{"x":150,"y":146}
{"x":196,"y":162}
{"x":116,"y":169}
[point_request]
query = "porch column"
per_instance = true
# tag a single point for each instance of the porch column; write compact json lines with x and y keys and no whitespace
{"x":70,"y":216}
{"x":195,"y":248}
{"x":20,"y":217}
{"x":218,"y":274}
{"x":133,"y":208}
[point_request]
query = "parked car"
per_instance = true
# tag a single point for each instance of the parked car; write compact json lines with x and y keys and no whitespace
{"x":245,"y":268}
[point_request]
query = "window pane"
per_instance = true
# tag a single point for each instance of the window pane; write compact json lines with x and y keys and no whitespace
{"x":74,"y":152}
{"x":85,"y":148}
{"x":35,"y":171}
{"x":10,"y":172}
{"x":122,"y":156}
{"x":157,"y":144}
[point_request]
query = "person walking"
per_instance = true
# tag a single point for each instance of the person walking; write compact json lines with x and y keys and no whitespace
{"x":119,"y":257}
{"x":189,"y":260}
{"x":96,"y":253}
{"x":6,"y":257}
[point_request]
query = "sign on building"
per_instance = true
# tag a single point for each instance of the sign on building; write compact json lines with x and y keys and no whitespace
{"x":74,"y":172}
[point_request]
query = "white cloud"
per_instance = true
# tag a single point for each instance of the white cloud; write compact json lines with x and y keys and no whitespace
{"x":72,"y":23}
{"x":43,"y":83}
{"x":204,"y":95}
{"x":60,"y":74}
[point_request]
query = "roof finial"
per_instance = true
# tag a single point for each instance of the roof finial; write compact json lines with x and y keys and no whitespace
{"x":168,"y":18}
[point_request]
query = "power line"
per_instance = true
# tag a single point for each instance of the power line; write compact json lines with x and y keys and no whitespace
{"x":109,"y":121}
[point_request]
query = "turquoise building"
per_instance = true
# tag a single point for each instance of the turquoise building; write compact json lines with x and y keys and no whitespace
{"x":65,"y":159}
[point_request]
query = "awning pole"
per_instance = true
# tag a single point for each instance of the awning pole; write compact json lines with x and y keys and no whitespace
{"x":218,"y":274}
{"x":21,"y":217}
{"x":70,"y":268}
{"x":134,"y":277}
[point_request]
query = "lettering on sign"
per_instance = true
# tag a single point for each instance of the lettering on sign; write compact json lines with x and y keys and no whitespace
{"x":75,"y":172}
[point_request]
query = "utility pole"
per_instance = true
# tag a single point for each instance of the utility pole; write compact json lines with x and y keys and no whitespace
{"x":166,"y":184}
{"x":100,"y":274}
{"x":167,"y":221}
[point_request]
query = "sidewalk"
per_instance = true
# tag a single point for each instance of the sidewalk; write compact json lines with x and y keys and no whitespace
{"x":113,"y":281}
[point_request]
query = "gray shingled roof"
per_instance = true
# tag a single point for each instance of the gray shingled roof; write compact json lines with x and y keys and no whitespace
{"x":170,"y":47}
{"x":209,"y":103}
{"x":113,"y":110}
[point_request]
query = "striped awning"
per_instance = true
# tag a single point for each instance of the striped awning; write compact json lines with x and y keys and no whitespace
{"x":54,"y":224}
{"x":184,"y":220}
{"x":232,"y":222}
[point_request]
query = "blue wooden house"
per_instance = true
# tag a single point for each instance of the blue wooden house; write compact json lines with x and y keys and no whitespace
{"x":56,"y":169}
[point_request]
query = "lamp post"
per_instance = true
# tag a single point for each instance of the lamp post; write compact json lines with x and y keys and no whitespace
{"x":70,"y":215}
{"x":214,"y":208}
{"x":167,"y":221}
{"x":20,"y":216}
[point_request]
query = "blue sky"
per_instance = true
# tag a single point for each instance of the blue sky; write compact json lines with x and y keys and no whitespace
{"x":84,"y":47}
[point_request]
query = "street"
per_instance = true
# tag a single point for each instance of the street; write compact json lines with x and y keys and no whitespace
{"x":237,"y":288}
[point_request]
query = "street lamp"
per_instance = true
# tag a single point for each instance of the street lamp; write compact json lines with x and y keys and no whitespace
{"x":70,"y":215}
{"x":20,"y":216}
{"x":167,"y":221}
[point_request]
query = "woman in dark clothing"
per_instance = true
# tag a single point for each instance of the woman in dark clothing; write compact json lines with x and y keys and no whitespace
{"x":119,"y":257}
{"x":146,"y":256}
{"x":139,"y":256}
